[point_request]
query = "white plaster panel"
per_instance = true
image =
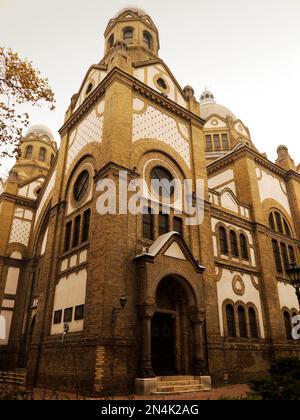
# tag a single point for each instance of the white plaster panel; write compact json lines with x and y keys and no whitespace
{"x":154,"y":124}
{"x":16,"y":255}
{"x":287,"y":296}
{"x":83,"y":257}
{"x":46,"y":196}
{"x":44,"y":243}
{"x":8,"y":303}
{"x":12,"y":281}
{"x":20,"y":232}
{"x":229,"y":203}
{"x":220,"y":179}
{"x":69,"y":293}
{"x":28,"y":190}
{"x":239,"y":127}
{"x":215,"y":123}
{"x":90,"y":130}
{"x":6,"y":320}
{"x":174,"y":251}
{"x":95,"y":77}
{"x":270,"y":187}
{"x":215,"y":245}
{"x":140,"y":74}
{"x":252,"y":295}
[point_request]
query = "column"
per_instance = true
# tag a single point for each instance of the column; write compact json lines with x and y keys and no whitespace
{"x":146,"y":313}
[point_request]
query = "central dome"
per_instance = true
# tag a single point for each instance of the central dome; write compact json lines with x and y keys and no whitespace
{"x":136,"y":10}
{"x":210,"y":107}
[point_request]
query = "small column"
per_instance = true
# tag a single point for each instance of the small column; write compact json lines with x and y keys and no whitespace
{"x":146,"y":313}
{"x":197,"y":318}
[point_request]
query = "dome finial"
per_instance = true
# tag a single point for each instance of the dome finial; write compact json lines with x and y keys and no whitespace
{"x":207,"y":97}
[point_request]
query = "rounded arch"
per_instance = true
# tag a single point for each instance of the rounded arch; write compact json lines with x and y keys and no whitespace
{"x":185,"y":283}
{"x":86,"y":158}
{"x":270,"y":205}
{"x":278,"y":222}
{"x":128,"y":33}
{"x":148,"y":40}
{"x":147,"y":147}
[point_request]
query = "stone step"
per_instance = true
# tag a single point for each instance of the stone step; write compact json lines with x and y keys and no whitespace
{"x":180,"y":382}
{"x":16,"y":377}
{"x":180,"y":388}
{"x":177,"y":378}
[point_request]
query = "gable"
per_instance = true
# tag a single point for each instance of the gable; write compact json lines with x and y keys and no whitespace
{"x":150,"y":75}
{"x":215,"y":123}
{"x":94,"y":77}
{"x":240,"y":128}
{"x":174,"y":251}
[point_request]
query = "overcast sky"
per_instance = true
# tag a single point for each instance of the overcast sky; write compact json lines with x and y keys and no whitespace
{"x":246,"y":52}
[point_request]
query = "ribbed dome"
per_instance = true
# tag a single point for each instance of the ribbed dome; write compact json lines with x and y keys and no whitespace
{"x":40,"y":130}
{"x":136,"y":10}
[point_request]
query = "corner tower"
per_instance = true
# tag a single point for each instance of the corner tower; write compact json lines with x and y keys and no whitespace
{"x":136,"y":30}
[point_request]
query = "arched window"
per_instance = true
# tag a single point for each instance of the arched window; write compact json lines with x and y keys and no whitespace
{"x":76,"y":233}
{"x":111,"y":41}
{"x":292,"y":254}
{"x":277,"y":256}
{"x":284,"y":254}
{"x":231,"y":330}
{"x":42,"y":154}
{"x":242,"y":322}
{"x":147,"y":38}
{"x":217,"y":144}
{"x":28,"y":152}
{"x":223,"y":240}
{"x":208,"y":143}
{"x":288,"y":325}
{"x":271,"y":221}
{"x":163,"y":224}
{"x":234,"y":244}
{"x":128,"y":35}
{"x":253,"y":323}
{"x":86,"y":226}
{"x":148,"y":224}
{"x":286,"y":228}
{"x":278,"y":223}
{"x":244,"y":247}
{"x":225,"y":142}
{"x":178,"y":225}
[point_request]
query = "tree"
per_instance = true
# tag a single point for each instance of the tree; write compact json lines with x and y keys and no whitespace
{"x":283,"y":382}
{"x":20,"y":83}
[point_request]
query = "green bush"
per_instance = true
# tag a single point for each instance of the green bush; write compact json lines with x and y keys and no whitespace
{"x":283,"y":383}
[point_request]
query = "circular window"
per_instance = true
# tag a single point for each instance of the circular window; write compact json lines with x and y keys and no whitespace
{"x":162,"y":84}
{"x":81,"y":185}
{"x":161,"y":182}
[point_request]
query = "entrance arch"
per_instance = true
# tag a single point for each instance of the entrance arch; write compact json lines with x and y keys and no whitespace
{"x":172,"y":339}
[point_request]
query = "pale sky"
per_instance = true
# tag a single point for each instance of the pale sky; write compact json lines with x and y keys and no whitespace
{"x":246,"y":52}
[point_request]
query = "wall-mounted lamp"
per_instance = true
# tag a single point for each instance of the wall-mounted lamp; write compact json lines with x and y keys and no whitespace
{"x":115,"y":311}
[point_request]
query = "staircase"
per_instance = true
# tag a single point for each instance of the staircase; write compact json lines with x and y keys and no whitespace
{"x":181,"y":384}
{"x":13,"y":377}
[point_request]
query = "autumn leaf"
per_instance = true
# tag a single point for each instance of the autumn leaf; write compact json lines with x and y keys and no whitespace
{"x":20,"y":83}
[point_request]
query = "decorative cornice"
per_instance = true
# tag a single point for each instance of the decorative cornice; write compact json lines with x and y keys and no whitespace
{"x":18,"y":200}
{"x":144,"y":90}
{"x":233,"y":267}
{"x":252,"y":154}
{"x":102,"y":173}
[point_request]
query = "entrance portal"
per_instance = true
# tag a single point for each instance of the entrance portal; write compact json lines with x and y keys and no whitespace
{"x":163,"y":344}
{"x":171,"y":330}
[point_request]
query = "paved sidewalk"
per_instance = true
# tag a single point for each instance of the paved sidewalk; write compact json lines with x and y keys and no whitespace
{"x":235,"y":391}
